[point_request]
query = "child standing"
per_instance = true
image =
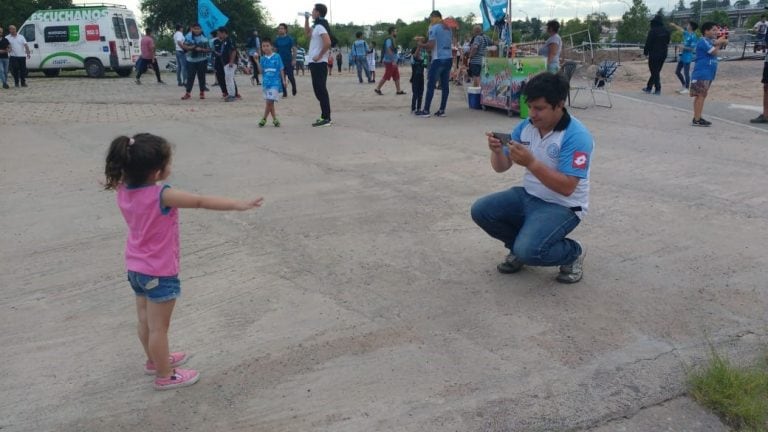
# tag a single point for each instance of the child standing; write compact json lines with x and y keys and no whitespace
{"x":370,"y":57}
{"x":273,"y":77}
{"x":134,"y":167}
{"x":705,"y":69}
{"x":418,"y":60}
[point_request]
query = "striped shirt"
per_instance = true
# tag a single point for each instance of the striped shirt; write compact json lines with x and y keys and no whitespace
{"x":481,"y":41}
{"x":300,"y":53}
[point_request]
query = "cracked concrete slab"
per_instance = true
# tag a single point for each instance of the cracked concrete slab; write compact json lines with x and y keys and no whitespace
{"x":362,"y":296}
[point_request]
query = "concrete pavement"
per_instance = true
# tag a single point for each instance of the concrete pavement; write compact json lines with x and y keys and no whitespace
{"x":362,"y":296}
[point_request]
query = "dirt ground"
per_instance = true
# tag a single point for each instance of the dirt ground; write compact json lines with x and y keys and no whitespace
{"x":361,"y":296}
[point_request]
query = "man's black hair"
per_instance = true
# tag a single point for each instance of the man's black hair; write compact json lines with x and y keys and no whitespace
{"x":553,"y":88}
{"x":553,"y":25}
{"x":436,"y":13}
{"x":321,"y":9}
{"x":223,"y":30}
{"x":179,"y":27}
{"x":284,"y":25}
{"x":359,"y":34}
{"x":391,"y":29}
{"x":694,"y":25}
{"x":266,"y":39}
{"x":708,"y":26}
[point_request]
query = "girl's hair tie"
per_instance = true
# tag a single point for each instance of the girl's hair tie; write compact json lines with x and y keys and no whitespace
{"x":131,"y":142}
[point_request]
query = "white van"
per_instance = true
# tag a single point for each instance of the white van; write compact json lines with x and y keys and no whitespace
{"x":94,"y":37}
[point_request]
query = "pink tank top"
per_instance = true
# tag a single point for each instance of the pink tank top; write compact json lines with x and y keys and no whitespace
{"x":152,"y":246}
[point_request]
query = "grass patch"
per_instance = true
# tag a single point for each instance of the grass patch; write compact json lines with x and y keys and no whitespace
{"x":739,"y":395}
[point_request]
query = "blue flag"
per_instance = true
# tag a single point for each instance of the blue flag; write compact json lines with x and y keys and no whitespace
{"x":492,"y":11}
{"x":210,"y":17}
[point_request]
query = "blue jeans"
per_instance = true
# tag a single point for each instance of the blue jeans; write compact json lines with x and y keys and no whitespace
{"x":157,"y":289}
{"x":532,"y":229}
{"x":362,"y":65}
{"x":181,"y":67}
{"x":4,"y":70}
{"x":438,"y":69}
{"x":685,"y":76}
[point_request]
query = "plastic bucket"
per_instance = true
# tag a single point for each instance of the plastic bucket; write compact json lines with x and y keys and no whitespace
{"x":473,"y":97}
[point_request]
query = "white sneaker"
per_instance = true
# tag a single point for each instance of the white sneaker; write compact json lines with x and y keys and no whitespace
{"x":683,"y":91}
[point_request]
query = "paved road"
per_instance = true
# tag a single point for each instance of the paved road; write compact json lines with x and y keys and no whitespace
{"x":362,"y":297}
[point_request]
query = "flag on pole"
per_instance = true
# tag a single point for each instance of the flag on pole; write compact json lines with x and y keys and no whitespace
{"x":210,"y":17}
{"x":492,"y":11}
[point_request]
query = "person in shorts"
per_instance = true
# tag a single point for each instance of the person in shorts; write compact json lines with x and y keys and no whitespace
{"x":477,"y":51}
{"x":273,"y":80}
{"x":389,"y":58}
{"x":705,"y":69}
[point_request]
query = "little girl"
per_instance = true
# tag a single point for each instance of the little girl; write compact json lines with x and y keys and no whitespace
{"x":134,"y":167}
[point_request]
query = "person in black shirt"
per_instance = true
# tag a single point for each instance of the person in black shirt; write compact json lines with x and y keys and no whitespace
{"x":656,"y":45}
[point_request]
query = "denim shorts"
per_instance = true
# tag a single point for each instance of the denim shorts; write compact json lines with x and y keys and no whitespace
{"x":155,"y":289}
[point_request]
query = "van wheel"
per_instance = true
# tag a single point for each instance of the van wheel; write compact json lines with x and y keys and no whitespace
{"x":124,"y":72}
{"x":51,"y":72}
{"x":94,"y":68}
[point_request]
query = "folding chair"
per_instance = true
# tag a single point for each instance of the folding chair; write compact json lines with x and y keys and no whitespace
{"x":569,"y":68}
{"x":602,"y":83}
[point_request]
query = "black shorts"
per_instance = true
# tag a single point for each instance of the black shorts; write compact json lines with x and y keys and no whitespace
{"x":765,"y":73}
{"x":474,"y":70}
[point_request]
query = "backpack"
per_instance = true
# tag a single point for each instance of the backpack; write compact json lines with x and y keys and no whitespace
{"x":324,"y":23}
{"x":384,"y":49}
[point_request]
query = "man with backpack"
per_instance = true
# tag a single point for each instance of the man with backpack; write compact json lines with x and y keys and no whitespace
{"x":389,"y":58}
{"x":358,"y":53}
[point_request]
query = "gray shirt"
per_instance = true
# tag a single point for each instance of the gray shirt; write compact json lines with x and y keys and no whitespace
{"x":554,"y":39}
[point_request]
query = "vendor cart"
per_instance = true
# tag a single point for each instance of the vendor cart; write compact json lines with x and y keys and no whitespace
{"x":502,"y":80}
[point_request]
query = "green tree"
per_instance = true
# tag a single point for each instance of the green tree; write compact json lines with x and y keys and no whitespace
{"x":751,"y":21}
{"x":761,"y":3}
{"x":575,"y":29}
{"x":681,"y":5}
{"x":720,"y":17}
{"x":634,"y":23}
{"x":244,"y":15}
{"x":15,"y":12}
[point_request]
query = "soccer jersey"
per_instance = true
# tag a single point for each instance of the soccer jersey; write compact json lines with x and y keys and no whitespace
{"x":567,"y":149}
{"x":199,"y":41}
{"x":689,"y":42}
{"x":284,"y":46}
{"x":705,"y":67}
{"x":481,"y":41}
{"x":271,"y":66}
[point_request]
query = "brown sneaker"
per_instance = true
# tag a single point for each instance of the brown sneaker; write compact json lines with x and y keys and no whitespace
{"x":202,"y":95}
{"x":186,"y":96}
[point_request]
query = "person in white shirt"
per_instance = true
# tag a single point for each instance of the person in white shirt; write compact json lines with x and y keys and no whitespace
{"x":18,"y":53}
{"x":181,"y":57}
{"x":319,"y":47}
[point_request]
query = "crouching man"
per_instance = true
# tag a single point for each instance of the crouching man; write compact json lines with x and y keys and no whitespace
{"x":556,"y":151}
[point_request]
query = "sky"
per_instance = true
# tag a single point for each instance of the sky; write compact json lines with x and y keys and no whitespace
{"x":372,"y":11}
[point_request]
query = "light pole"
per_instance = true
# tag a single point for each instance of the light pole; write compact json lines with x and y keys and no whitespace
{"x":524,"y":12}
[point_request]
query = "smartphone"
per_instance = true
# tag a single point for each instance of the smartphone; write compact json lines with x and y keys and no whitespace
{"x":505,"y":138}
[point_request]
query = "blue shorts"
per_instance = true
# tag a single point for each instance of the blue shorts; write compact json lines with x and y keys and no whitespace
{"x":155,"y":289}
{"x":271,"y":93}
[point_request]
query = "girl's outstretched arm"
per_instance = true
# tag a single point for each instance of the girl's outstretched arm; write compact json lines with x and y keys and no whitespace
{"x":179,"y":199}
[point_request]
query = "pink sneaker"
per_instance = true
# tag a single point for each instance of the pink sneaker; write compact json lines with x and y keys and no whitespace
{"x":177,"y":359}
{"x":179,"y":378}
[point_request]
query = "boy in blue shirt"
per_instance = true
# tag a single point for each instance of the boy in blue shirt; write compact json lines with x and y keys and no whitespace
{"x":683,"y":71}
{"x":273,"y":79}
{"x":705,"y":69}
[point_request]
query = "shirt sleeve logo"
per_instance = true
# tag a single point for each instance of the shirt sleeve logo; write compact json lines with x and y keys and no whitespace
{"x":580,"y":160}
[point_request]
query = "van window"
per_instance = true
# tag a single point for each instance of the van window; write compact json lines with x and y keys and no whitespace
{"x":119,"y":26}
{"x":133,"y":29}
{"x":62,"y":33}
{"x":28,"y":31}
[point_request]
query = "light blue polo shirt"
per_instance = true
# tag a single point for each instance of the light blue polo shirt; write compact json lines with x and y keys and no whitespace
{"x":567,"y":149}
{"x":443,"y":39}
